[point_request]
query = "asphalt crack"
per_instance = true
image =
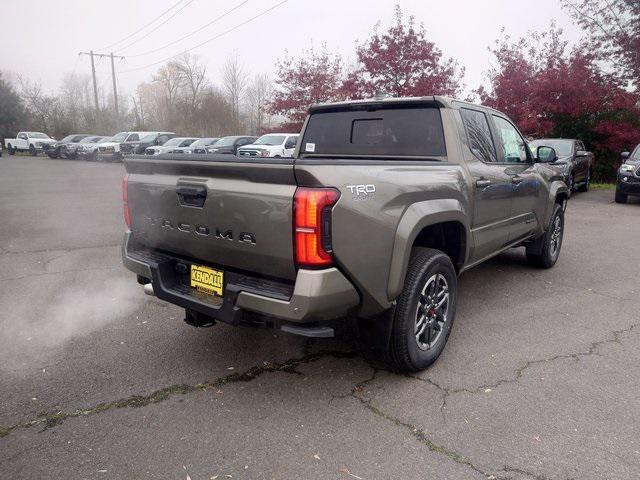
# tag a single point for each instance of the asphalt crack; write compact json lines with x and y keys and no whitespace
{"x":54,"y":418}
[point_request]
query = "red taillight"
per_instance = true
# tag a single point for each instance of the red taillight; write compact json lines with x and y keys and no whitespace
{"x":125,"y":200}
{"x":312,"y":225}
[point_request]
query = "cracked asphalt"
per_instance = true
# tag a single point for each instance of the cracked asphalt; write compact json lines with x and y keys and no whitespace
{"x":539,"y":380}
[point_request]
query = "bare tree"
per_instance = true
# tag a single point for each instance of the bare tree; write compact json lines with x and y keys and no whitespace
{"x":194,"y":77}
{"x":235,"y":83}
{"x":170,"y":79}
{"x":258,"y":96}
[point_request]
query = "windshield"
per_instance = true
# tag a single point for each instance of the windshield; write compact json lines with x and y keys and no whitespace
{"x":149,"y":138}
{"x":270,"y":140}
{"x":636,"y":154}
{"x":187,"y":142}
{"x":225,"y":142}
{"x":119,"y":137}
{"x":563,"y":148}
{"x":203,"y":142}
{"x":89,"y":139}
{"x":38,"y":135}
{"x":68,"y":138}
{"x":174,"y":142}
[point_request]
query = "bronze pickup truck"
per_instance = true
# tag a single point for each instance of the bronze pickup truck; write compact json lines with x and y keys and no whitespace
{"x":384,"y":204}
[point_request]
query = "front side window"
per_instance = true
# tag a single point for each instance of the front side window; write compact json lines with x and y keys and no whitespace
{"x":479,"y":134}
{"x":291,"y":142}
{"x":187,"y":142}
{"x":395,"y":131}
{"x":513,"y":145}
{"x":134,"y":137}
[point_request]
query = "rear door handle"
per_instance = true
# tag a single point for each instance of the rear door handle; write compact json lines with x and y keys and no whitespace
{"x":483,"y":182}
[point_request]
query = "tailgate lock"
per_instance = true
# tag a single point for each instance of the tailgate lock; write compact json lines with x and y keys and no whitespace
{"x":191,"y":196}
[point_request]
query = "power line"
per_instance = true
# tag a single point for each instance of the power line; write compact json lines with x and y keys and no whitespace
{"x":264,"y":12}
{"x":144,"y":26}
{"x":157,"y":27}
{"x":192,"y":33}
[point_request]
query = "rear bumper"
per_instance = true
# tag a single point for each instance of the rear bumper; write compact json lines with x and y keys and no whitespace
{"x":317,"y":295}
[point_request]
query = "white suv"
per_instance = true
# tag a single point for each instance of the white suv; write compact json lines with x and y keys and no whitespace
{"x":271,"y":145}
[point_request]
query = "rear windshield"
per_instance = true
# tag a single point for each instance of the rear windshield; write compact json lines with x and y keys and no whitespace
{"x":390,"y":132}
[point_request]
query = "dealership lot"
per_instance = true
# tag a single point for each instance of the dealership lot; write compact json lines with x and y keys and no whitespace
{"x":539,"y":380}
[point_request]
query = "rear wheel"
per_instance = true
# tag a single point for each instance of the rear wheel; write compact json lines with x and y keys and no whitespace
{"x":621,"y":197}
{"x":32,"y":151}
{"x":11,"y":150}
{"x":545,"y":251}
{"x":425,"y":310}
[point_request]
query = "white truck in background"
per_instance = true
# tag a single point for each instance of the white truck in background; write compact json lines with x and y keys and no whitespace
{"x":32,"y":142}
{"x":277,"y":145}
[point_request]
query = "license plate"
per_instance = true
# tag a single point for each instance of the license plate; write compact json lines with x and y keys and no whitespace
{"x":207,"y":280}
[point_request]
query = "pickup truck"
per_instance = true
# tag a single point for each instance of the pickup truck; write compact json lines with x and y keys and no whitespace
{"x":573,"y":159}
{"x":32,"y":142}
{"x":271,"y":145}
{"x":383,"y":205}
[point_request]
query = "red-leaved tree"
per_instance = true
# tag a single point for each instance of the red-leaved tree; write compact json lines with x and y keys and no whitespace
{"x":613,"y":33}
{"x":401,"y":61}
{"x":313,"y":77}
{"x":553,"y":92}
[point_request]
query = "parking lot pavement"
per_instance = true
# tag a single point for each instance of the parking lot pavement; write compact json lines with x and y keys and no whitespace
{"x":539,"y":380}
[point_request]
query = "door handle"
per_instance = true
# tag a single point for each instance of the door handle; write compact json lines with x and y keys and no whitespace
{"x":517,"y":179}
{"x":483,"y":182}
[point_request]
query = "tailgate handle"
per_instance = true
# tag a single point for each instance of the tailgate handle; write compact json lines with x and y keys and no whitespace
{"x":192,"y":196}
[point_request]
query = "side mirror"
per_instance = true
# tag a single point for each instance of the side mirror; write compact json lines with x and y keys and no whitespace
{"x":546,"y":155}
{"x":582,"y":153}
{"x":625,"y":155}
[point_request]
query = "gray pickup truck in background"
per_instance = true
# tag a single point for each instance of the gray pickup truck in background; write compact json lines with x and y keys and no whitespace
{"x":384,"y":204}
{"x":574,"y":160}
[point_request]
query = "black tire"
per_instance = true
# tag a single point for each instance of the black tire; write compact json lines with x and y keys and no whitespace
{"x":32,"y":151}
{"x":425,"y":265}
{"x":545,"y":251}
{"x":571,"y":184}
{"x":11,"y":150}
{"x":621,"y":197}
{"x":587,"y":181}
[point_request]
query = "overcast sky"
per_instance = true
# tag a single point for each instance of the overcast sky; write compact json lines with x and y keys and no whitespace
{"x":41,"y":38}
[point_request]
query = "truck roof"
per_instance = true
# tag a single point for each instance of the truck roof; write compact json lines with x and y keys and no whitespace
{"x":432,"y":100}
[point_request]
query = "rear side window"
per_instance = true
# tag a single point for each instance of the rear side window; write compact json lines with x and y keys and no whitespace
{"x":390,"y":132}
{"x":479,"y":134}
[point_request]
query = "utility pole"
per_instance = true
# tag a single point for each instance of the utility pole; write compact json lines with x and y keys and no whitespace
{"x":115,"y":90}
{"x":93,"y":74}
{"x":113,"y":76}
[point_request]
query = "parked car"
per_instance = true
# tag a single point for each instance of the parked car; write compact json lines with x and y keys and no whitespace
{"x":200,"y":145}
{"x":173,"y":145}
{"x":32,"y":142}
{"x":62,"y":147}
{"x":73,"y":149}
{"x":89,"y":150}
{"x":384,"y":204}
{"x":575,"y":162}
{"x":271,"y":145}
{"x":138,"y":146}
{"x":230,"y":145}
{"x":628,"y":180}
{"x":110,"y":151}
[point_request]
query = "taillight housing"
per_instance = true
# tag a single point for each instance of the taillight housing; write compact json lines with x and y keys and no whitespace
{"x":125,"y":200}
{"x":312,"y":226}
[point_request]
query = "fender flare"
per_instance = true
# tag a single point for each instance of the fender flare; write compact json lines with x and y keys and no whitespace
{"x":557,"y":187}
{"x":418,"y":216}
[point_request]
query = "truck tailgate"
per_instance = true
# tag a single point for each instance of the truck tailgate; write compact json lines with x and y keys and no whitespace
{"x":219,"y":210}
